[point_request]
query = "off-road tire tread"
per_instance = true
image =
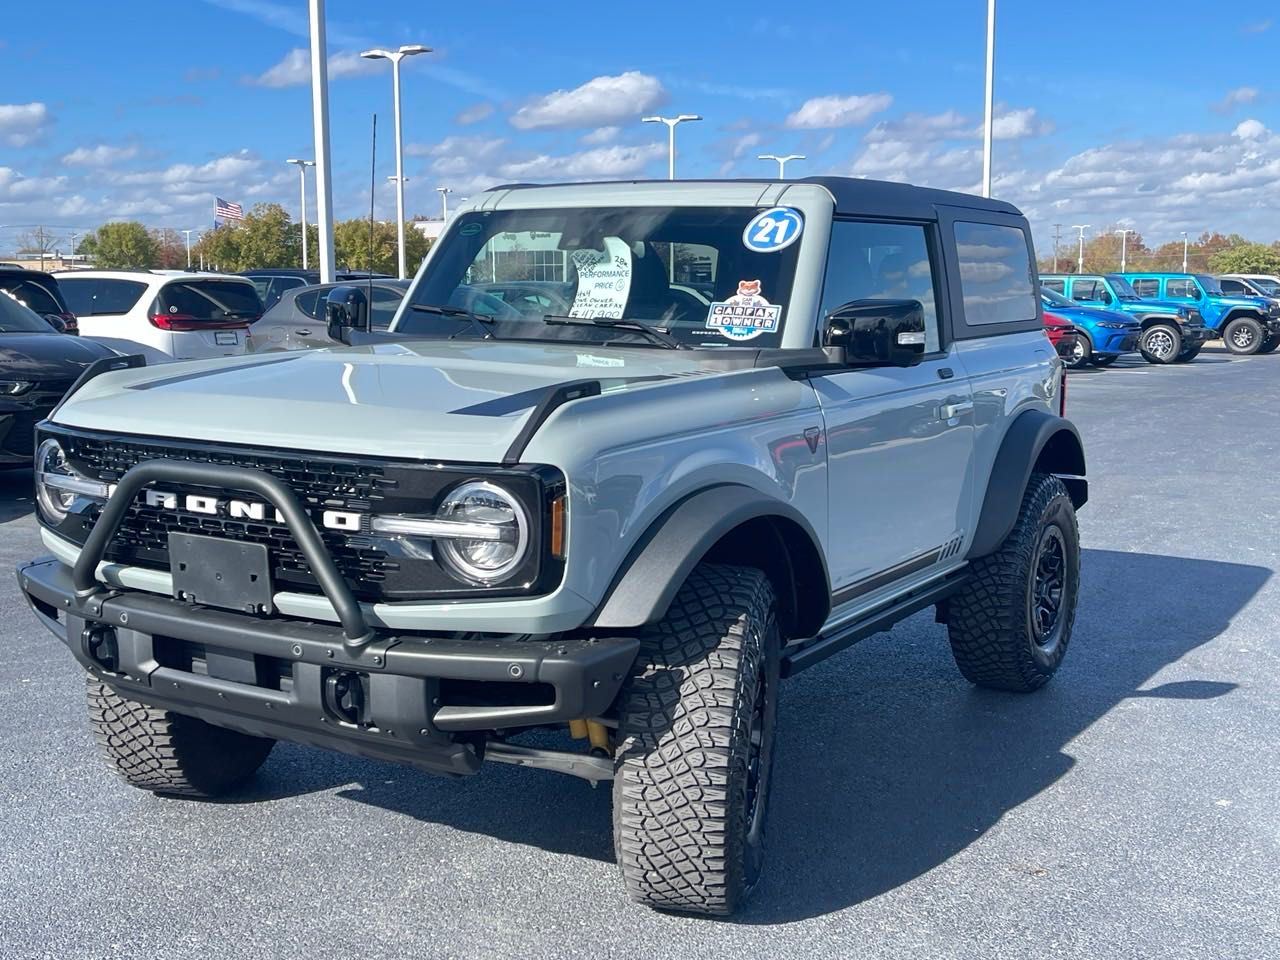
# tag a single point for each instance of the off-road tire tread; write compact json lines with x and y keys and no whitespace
{"x":167,"y":752}
{"x":987,"y":617}
{"x":1269,"y":345}
{"x":678,"y":828}
{"x":1177,"y":342}
{"x":1259,"y":336}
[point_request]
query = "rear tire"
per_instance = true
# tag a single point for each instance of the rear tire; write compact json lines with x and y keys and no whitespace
{"x":1269,"y":345}
{"x":1011,"y":622}
{"x":695,"y":745}
{"x":1106,"y":361}
{"x":1243,"y":336}
{"x":170,"y":753}
{"x":1080,"y":354}
{"x":1161,"y":343}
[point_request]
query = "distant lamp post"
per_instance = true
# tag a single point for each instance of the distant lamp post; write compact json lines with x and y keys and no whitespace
{"x":395,"y":56}
{"x":302,"y":185}
{"x":782,"y":161}
{"x":188,"y":233}
{"x":672,"y":123}
{"x":444,"y":202}
{"x":1124,"y":244}
{"x":1082,"y":227}
{"x":1185,"y":243}
{"x":990,"y":99}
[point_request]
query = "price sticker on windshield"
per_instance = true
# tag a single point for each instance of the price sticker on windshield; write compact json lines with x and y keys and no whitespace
{"x":773,"y":230}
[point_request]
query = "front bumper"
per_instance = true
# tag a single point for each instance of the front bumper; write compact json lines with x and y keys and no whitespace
{"x":282,"y":678}
{"x":1194,"y":335}
{"x":1119,"y":342}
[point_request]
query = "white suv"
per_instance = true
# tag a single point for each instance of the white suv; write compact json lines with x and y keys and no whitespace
{"x":188,"y":316}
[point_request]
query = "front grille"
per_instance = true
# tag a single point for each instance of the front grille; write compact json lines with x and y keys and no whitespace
{"x":320,"y":483}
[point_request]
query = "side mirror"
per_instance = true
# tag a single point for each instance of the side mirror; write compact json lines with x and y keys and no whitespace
{"x":56,"y":322}
{"x":346,"y":309}
{"x":1104,"y":296}
{"x":879,"y":332}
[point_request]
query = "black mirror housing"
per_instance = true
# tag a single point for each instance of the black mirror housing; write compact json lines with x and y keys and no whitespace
{"x":346,"y":308}
{"x":878,"y":332}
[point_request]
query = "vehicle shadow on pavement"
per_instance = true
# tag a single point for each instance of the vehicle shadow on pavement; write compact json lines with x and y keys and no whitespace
{"x":15,"y":494}
{"x":888,"y":764}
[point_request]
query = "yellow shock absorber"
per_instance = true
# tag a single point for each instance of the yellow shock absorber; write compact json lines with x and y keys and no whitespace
{"x":599,"y":734}
{"x":578,"y":729}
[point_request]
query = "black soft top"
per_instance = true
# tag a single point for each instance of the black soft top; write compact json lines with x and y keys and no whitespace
{"x":886,"y":198}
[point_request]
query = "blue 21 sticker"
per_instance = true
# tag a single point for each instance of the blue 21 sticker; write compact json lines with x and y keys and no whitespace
{"x":773,"y":230}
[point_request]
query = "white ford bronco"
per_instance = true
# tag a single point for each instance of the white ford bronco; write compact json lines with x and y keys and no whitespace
{"x":630,"y":455}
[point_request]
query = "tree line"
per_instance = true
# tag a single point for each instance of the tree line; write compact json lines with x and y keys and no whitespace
{"x":1212,"y":252}
{"x":267,"y":237}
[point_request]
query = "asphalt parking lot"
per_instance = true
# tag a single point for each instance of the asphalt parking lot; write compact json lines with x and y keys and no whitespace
{"x":1128,"y":810}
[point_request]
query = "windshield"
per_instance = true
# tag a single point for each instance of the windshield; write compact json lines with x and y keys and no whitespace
{"x":16,"y":318}
{"x":100,"y":296}
{"x":1211,"y":286}
{"x":697,"y":273}
{"x":1122,"y":289}
{"x":209,"y":300}
{"x":1270,"y":287}
{"x":1056,"y":299}
{"x":39,"y":295}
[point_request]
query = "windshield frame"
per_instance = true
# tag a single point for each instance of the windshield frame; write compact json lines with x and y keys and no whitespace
{"x":1121,"y":287}
{"x":641,"y":231}
{"x":17,"y":317}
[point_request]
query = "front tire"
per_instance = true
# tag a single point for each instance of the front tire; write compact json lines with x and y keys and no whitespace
{"x":170,"y":753}
{"x":695,"y":746}
{"x":1269,"y":345}
{"x":1011,"y":623}
{"x":1243,"y":336}
{"x":1161,"y":343}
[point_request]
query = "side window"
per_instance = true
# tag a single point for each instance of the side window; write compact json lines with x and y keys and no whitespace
{"x":1057,"y":286}
{"x":1182,"y":289}
{"x":92,"y":296}
{"x":1233,"y":286}
{"x":1086,"y":291}
{"x":1148,"y":287}
{"x":309,"y":303}
{"x":384,"y":306}
{"x":996,"y":278}
{"x":881,"y":261}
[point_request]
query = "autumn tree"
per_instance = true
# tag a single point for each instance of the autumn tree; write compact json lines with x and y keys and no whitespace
{"x":1246,"y":258}
{"x":266,"y":237}
{"x":121,"y":245}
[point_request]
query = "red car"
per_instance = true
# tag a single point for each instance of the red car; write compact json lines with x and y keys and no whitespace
{"x":1063,"y":334}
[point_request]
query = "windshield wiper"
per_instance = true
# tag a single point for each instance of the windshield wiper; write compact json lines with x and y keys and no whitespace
{"x":655,"y":334}
{"x":477,"y":319}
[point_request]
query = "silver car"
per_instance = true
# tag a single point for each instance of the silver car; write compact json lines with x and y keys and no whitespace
{"x":296,"y":321}
{"x":761,"y":421}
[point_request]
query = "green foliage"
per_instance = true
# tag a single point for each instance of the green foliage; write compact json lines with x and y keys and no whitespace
{"x":266,"y":237}
{"x":351,"y":247}
{"x":1246,"y":258}
{"x":121,"y":245}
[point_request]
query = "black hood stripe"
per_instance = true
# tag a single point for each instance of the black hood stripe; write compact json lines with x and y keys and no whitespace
{"x":187,"y":377}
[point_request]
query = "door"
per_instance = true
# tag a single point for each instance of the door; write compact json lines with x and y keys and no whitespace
{"x":899,"y":439}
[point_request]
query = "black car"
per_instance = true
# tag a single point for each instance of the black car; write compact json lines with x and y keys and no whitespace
{"x":39,"y":291}
{"x":37,"y":366}
{"x":274,"y":282}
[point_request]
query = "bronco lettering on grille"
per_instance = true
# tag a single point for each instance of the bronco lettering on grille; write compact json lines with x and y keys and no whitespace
{"x":345,"y":520}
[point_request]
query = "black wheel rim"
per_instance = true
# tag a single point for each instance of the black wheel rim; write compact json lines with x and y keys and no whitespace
{"x":759,"y":765}
{"x":1049,"y":586}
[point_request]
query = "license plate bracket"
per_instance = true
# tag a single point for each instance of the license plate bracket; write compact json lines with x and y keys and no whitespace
{"x":221,"y":573}
{"x":226,"y":339}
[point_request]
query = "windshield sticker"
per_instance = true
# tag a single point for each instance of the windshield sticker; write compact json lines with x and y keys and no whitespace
{"x":773,"y":230}
{"x":604,"y":281}
{"x":745,"y":315}
{"x":471,"y":229}
{"x":591,"y":360}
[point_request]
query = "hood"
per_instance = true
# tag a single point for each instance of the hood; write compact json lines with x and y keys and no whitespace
{"x":464,"y":401}
{"x":1258,"y":303}
{"x":47,"y":356}
{"x":1092,"y":315}
{"x":1165,"y":306}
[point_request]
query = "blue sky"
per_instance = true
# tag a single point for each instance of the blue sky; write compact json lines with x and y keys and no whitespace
{"x":1109,"y":113}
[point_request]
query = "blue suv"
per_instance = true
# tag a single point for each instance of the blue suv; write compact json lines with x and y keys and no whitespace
{"x":1171,"y":332}
{"x":1245,"y":324}
{"x":1103,"y":334}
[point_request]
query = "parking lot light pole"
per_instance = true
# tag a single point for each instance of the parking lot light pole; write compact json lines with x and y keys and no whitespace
{"x":1124,"y":243}
{"x":302,"y":182}
{"x":1185,"y":243}
{"x":444,"y":202}
{"x":990,"y":105}
{"x":1082,"y":227}
{"x":782,"y":161}
{"x":672,"y":123}
{"x":395,"y":56}
{"x":320,"y":130}
{"x":188,"y":233}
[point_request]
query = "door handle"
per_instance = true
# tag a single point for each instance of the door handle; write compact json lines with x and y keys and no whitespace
{"x":949,"y":411}
{"x":303,"y":333}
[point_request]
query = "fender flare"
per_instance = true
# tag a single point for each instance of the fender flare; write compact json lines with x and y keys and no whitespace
{"x":662,"y":559}
{"x":1240,"y":313}
{"x":1036,"y":438}
{"x":1166,"y":318}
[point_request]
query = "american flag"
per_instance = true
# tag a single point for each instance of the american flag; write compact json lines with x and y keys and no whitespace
{"x":225,"y":210}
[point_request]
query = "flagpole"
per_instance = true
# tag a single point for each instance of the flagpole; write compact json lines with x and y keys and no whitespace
{"x":320,"y":129}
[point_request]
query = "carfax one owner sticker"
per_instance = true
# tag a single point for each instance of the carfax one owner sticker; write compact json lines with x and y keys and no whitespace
{"x":745,"y":315}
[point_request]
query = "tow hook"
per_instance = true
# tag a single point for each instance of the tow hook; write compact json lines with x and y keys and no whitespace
{"x":346,"y":695}
{"x":99,"y":644}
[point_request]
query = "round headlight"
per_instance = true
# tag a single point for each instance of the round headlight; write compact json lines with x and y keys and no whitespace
{"x":54,"y":501}
{"x":495,"y":557}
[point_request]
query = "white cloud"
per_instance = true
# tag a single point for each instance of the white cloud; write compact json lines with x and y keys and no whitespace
{"x":180,"y":176}
{"x":823,"y":113}
{"x":598,"y":102}
{"x":22,"y":124}
{"x":14,"y":186}
{"x":1018,"y":125}
{"x":598,"y":164}
{"x":920,"y":128}
{"x":103,"y":155}
{"x":1239,"y":97}
{"x":1250,"y":130}
{"x":481,"y":111}
{"x":601,"y":135}
{"x":295,"y":69}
